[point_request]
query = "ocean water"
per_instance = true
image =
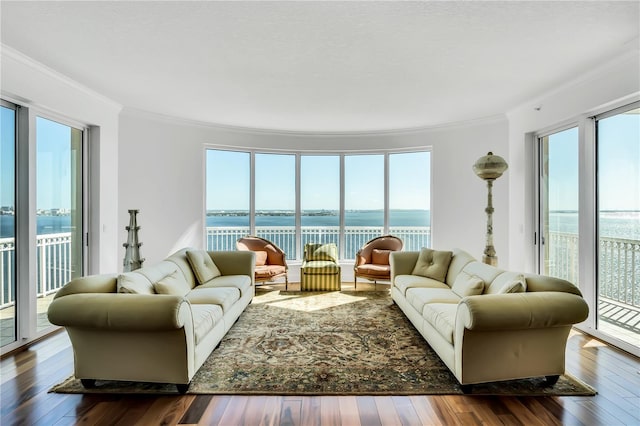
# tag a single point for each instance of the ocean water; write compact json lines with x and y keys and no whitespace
{"x":45,"y":225}
{"x":612,"y":224}
{"x":624,"y":225}
{"x":326,"y":218}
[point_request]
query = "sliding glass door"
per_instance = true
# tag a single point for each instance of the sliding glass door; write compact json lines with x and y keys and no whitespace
{"x":589,"y":218}
{"x":559,"y":204}
{"x":618,"y":224}
{"x":8,"y":317}
{"x":59,"y":210}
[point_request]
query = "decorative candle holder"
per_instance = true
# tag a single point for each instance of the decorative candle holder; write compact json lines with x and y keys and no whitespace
{"x":132,"y":260}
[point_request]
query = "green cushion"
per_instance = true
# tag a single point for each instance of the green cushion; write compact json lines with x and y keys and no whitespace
{"x":314,"y":251}
{"x":172,"y":284}
{"x":467,"y":285}
{"x":509,"y":282}
{"x":134,"y":283}
{"x":203,"y":266}
{"x":320,"y":267}
{"x":433,"y":264}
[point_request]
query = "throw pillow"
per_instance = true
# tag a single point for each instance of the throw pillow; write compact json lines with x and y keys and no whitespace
{"x":172,"y":284}
{"x":261,"y":258}
{"x":322,"y":252}
{"x":467,"y":285}
{"x":203,"y":266}
{"x":433,"y":264}
{"x":133,"y":283}
{"x":380,"y":257}
{"x":515,"y":284}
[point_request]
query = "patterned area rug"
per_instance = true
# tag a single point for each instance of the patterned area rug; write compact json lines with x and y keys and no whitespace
{"x":330,"y":343}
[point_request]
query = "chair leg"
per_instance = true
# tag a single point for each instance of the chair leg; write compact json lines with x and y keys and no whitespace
{"x":286,"y":283}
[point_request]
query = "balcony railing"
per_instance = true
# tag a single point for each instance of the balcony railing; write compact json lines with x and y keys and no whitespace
{"x":54,"y":268}
{"x":619,"y":267}
{"x":224,"y":238}
{"x":619,"y":258}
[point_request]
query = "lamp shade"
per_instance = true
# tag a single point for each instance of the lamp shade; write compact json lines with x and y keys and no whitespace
{"x":490,"y":166}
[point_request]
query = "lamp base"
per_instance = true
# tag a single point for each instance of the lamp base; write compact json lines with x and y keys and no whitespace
{"x":490,"y":260}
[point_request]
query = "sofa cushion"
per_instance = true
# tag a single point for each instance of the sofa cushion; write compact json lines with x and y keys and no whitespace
{"x":241,"y":282}
{"x":223,"y":296}
{"x":321,"y":252}
{"x":459,"y":260}
{"x":442,"y":316}
{"x":418,"y":297}
{"x":467,"y":285}
{"x":507,"y":282}
{"x":134,"y":283}
{"x":172,"y":284}
{"x":261,"y":257}
{"x":483,"y":271}
{"x":202,"y":265}
{"x":180,"y":260}
{"x":374,"y":270}
{"x":405,"y":282}
{"x":268,"y":271}
{"x":433,"y":264}
{"x":380,"y":256}
{"x":157,"y":271}
{"x":320,"y":267}
{"x":205,"y":317}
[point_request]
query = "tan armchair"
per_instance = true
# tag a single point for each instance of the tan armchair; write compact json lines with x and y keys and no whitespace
{"x":271,"y":261}
{"x":372,"y":260}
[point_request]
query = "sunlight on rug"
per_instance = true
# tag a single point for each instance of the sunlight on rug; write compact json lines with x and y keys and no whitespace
{"x":327,"y":343}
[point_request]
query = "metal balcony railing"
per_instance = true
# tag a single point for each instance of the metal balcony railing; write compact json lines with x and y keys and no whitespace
{"x":619,"y":267}
{"x":619,"y":258}
{"x":224,"y":238}
{"x":53,"y":260}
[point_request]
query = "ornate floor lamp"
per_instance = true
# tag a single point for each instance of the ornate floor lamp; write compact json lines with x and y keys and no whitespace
{"x":490,"y":167}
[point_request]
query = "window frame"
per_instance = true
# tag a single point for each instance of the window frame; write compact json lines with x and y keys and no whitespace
{"x":587,"y":207}
{"x":341,"y":155}
{"x":26,"y":223}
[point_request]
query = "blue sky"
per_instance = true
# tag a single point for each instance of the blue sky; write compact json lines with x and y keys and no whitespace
{"x":619,"y":162}
{"x":53,"y":153}
{"x":320,"y":181}
{"x":53,"y":157}
{"x":618,"y":165}
{"x":228,"y":178}
{"x":7,"y":153}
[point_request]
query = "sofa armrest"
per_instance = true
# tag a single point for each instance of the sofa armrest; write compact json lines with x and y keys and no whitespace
{"x":402,"y":263}
{"x":105,"y":283}
{"x":235,"y":262}
{"x":122,"y":312}
{"x":521,"y":311}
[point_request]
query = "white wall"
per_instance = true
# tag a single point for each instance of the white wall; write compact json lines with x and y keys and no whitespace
{"x":611,"y":85}
{"x":33,"y":85}
{"x":161,"y":172}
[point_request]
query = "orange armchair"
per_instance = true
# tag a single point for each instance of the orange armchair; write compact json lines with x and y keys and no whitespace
{"x":271,"y":261}
{"x":372,"y":260}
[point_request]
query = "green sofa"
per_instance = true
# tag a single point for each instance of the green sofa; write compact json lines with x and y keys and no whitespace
{"x":485,"y":323}
{"x":158,"y":323}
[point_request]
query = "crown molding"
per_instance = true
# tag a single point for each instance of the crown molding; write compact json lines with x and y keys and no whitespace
{"x":17,"y":56}
{"x":315,"y":133}
{"x":597,"y":72}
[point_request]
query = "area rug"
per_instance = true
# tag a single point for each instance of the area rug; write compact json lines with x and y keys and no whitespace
{"x":327,"y":343}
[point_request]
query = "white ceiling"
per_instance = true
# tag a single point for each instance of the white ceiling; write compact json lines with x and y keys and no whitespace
{"x":322,"y":66}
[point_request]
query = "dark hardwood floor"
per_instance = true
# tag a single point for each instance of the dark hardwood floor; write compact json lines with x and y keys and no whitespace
{"x":27,"y":376}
